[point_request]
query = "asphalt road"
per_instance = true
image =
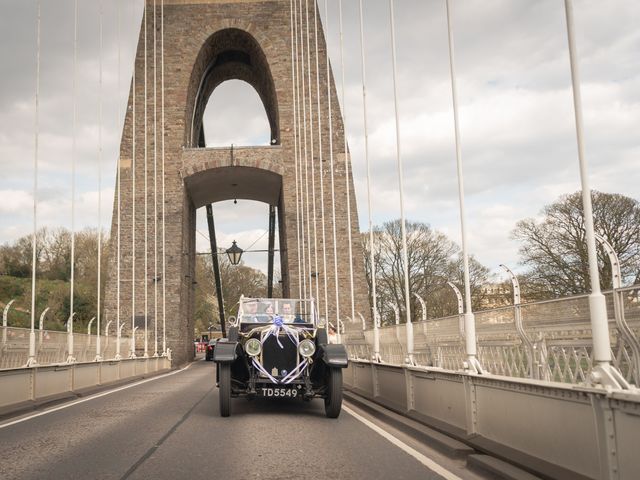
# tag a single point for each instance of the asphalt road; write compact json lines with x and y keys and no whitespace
{"x":169,"y":428}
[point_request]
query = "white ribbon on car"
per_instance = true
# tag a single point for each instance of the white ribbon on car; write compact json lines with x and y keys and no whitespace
{"x":275,"y":328}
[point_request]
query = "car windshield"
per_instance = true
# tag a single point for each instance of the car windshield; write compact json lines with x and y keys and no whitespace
{"x":266,"y":310}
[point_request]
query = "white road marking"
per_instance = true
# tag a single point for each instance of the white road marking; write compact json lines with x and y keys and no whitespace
{"x":92,"y":397}
{"x":427,"y":462}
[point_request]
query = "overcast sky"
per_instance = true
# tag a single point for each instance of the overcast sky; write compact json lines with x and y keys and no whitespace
{"x":516,"y":113}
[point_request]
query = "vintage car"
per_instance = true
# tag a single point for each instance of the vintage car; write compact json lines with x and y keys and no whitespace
{"x":208,"y":353}
{"x":279,"y":348}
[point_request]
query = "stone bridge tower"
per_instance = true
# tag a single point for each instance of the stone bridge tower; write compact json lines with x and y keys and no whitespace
{"x":207,"y":42}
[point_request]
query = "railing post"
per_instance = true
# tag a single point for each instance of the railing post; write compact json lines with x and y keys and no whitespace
{"x":118,"y":355}
{"x":5,"y":318}
{"x":423,"y":306}
{"x":41,"y":323}
{"x":106,"y":334}
{"x":460,"y":309}
{"x":70,"y":357}
{"x":396,"y":313}
{"x":98,"y":344}
{"x":364,"y":324}
{"x":461,"y":320}
{"x":533,"y":367}
{"x":340,"y":327}
{"x":376,"y":337}
{"x":31,"y":361}
{"x":423,"y":310}
{"x":133,"y":343}
{"x":618,"y":308}
{"x":410,"y":342}
{"x":90,"y":325}
{"x":132,"y":353}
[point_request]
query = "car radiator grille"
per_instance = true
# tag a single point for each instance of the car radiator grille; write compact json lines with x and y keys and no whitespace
{"x":283,"y":359}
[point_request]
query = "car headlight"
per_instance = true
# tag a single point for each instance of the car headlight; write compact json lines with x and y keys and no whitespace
{"x":253,"y":347}
{"x":307,"y":348}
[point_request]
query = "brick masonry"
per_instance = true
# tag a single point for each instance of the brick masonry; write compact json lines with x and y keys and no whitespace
{"x":202,"y":39}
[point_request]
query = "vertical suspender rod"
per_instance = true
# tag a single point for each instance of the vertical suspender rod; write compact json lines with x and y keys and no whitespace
{"x":272,"y":238}
{"x":216,"y":268}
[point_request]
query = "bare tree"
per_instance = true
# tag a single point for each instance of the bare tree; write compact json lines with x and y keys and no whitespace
{"x":555,"y":250}
{"x":236,"y":280}
{"x":433,"y":261}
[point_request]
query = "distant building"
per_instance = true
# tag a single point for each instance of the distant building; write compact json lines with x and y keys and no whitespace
{"x":495,"y":295}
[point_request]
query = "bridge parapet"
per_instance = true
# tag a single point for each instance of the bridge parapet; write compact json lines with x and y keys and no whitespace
{"x":556,"y":345}
{"x":26,"y":387}
{"x":558,"y":430}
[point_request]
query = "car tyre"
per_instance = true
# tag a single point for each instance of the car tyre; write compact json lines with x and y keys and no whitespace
{"x":224,"y":392}
{"x":333,"y":399}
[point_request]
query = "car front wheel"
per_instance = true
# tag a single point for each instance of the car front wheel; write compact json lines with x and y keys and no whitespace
{"x":333,"y":399}
{"x":224,"y":392}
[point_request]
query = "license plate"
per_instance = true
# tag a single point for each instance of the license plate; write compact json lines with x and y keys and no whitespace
{"x":278,"y":392}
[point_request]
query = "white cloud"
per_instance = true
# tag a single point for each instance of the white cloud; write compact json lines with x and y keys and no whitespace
{"x":15,"y":201}
{"x":516,"y":112}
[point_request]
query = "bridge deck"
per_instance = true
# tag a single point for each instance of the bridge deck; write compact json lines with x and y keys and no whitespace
{"x":169,"y":428}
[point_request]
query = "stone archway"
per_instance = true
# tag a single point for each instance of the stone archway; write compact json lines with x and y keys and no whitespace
{"x":229,"y":54}
{"x":208,"y":42}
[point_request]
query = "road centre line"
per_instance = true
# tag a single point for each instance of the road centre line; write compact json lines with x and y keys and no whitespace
{"x":426,"y":461}
{"x":92,"y":397}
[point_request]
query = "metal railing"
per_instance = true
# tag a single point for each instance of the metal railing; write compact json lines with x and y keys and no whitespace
{"x":547,"y":340}
{"x":52,"y":347}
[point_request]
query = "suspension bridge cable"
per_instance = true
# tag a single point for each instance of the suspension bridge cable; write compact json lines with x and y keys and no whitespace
{"x":368,"y":165}
{"x":155,"y":183}
{"x":597,"y":303}
{"x":303,"y":157}
{"x":99,"y":296}
{"x":346,"y":171}
{"x":401,"y":186}
{"x":313,"y":169}
{"x":35,"y":194}
{"x":306,"y":157}
{"x":164,"y":242}
{"x":324,"y":234}
{"x":333,"y":190}
{"x":146,"y":193}
{"x":469,"y":321}
{"x":73,"y":170}
{"x":118,"y":186}
{"x":295,"y":148}
{"x":301,"y":224}
{"x":99,"y":272}
{"x":258,"y":239}
{"x":133,"y":195}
